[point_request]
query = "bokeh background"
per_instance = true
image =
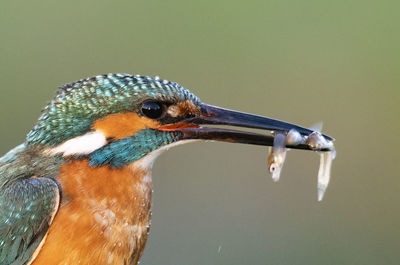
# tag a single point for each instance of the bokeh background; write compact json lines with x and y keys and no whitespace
{"x":300,"y":61}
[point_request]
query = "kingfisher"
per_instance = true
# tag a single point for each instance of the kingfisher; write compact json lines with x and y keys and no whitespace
{"x":79,"y":189}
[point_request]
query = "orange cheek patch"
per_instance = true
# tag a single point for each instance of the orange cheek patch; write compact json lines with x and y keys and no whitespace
{"x":122,"y":125}
{"x":183,"y":108}
{"x":188,"y":107}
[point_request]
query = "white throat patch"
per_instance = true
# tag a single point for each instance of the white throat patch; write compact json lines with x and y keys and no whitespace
{"x":81,"y":145}
{"x":147,"y":161}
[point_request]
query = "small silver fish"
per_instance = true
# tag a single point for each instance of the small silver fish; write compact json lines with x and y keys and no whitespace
{"x":324,"y":172}
{"x":276,"y":156}
{"x":294,"y":138}
{"x":317,"y":142}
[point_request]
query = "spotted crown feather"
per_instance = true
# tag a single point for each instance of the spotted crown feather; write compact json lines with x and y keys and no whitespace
{"x":76,"y":105}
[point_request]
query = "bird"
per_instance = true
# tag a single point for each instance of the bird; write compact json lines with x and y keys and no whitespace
{"x":78,"y":190}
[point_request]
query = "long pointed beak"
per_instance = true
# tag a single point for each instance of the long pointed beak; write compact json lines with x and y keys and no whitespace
{"x":213,"y":115}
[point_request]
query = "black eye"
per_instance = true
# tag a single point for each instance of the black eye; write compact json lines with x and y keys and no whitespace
{"x":152,"y":109}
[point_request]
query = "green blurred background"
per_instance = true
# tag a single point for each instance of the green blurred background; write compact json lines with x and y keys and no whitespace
{"x":300,"y":61}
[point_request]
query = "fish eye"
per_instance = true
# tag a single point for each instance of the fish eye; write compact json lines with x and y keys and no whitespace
{"x":152,"y":109}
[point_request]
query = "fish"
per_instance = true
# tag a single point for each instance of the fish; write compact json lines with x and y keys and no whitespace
{"x":324,"y":172}
{"x":294,"y":138}
{"x":277,"y":156}
{"x":316,"y":142}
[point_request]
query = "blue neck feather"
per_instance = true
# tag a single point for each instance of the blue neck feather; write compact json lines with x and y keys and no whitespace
{"x":125,"y":151}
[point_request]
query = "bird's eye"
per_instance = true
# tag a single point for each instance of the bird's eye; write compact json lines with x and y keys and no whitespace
{"x":152,"y":109}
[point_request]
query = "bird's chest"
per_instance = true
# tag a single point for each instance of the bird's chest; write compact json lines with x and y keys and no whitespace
{"x":104,"y":217}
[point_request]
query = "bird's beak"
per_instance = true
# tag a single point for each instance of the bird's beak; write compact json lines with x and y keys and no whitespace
{"x":191,"y":128}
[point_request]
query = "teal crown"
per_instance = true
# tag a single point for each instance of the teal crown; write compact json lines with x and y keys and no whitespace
{"x":78,"y":104}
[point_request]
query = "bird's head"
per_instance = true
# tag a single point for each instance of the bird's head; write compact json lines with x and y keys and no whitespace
{"x":117,"y":119}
